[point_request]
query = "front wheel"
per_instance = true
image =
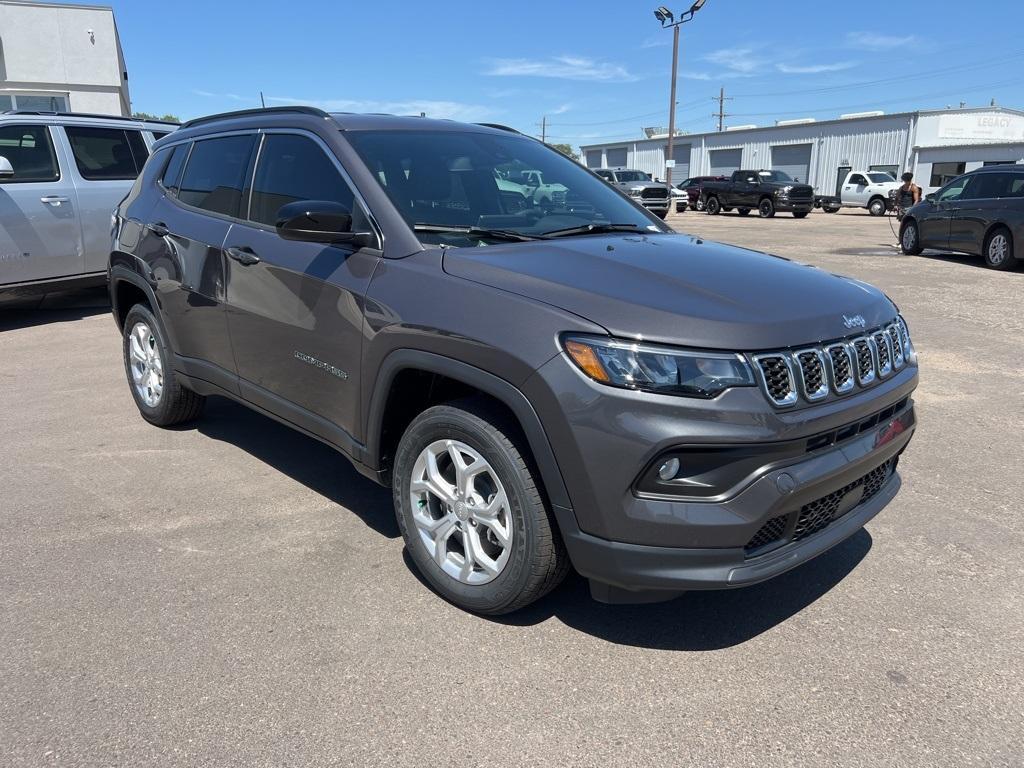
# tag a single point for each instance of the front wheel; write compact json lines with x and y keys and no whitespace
{"x":712,"y":206}
{"x":661,"y":214}
{"x":910,"y":238}
{"x":800,"y":214}
{"x":999,"y":249}
{"x":160,"y":397}
{"x":877,"y":207}
{"x":471,"y":512}
{"x":743,"y":211}
{"x":766,"y":208}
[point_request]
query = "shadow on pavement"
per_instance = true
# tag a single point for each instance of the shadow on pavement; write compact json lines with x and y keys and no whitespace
{"x":28,"y":311}
{"x":699,"y":621}
{"x":964,"y":259}
{"x":305,"y":460}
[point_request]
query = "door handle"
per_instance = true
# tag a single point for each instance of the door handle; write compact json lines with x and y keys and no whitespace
{"x":54,"y":200}
{"x":243,"y":255}
{"x":159,"y":229}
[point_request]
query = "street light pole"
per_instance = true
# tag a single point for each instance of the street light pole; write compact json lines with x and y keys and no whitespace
{"x":672,"y":106}
{"x":668,"y":19}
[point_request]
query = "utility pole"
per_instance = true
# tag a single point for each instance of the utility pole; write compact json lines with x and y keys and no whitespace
{"x":721,"y":115}
{"x":543,"y":129}
{"x":672,"y":108}
{"x":262,"y":102}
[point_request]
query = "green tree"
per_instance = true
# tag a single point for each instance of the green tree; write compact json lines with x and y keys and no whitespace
{"x":147,"y":116}
{"x":566,"y":149}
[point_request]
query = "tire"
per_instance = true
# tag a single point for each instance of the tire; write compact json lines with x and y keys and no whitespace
{"x":743,"y":211}
{"x":998,"y":250}
{"x":876,"y":207}
{"x":766,"y":208}
{"x":830,"y":210}
{"x":727,"y":208}
{"x":501,"y":578}
{"x":910,"y":238}
{"x":661,"y":214}
{"x":800,"y":214}
{"x":680,"y":207}
{"x":712,"y":206}
{"x":161,"y":398}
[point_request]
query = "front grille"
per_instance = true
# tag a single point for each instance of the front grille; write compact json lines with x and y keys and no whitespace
{"x":801,"y":193}
{"x":649,"y":193}
{"x":819,"y":514}
{"x":777,"y":379}
{"x":838,"y":367}
{"x":812,"y":373}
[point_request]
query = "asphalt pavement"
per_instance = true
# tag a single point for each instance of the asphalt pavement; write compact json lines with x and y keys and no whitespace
{"x":234,"y":594}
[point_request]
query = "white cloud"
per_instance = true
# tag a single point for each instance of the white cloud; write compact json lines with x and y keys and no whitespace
{"x":871,"y":41}
{"x":814,"y":69}
{"x":561,"y":67}
{"x":453,"y":110}
{"x":227,"y":96}
{"x":657,"y":41}
{"x":560,"y":110}
{"x":743,"y":60}
{"x":716,"y":76}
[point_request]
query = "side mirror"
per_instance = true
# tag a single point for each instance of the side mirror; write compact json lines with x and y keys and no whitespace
{"x":6,"y":169}
{"x":930,"y":197}
{"x":319,"y":221}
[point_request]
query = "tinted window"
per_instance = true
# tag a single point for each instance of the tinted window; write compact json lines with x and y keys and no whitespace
{"x":215,"y":174}
{"x":107,"y":153}
{"x":943,"y":173}
{"x":859,"y":180}
{"x":881,"y":178}
{"x":955,"y":190}
{"x":624,"y":176}
{"x":30,"y":152}
{"x":172,"y":173}
{"x":293,"y":168}
{"x":157,"y":135}
{"x":1016,"y":186}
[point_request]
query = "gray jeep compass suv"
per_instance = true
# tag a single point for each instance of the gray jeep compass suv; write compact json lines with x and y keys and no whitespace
{"x":552,"y":386}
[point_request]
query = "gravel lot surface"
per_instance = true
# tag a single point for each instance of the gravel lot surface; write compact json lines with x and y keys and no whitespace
{"x":234,"y":594}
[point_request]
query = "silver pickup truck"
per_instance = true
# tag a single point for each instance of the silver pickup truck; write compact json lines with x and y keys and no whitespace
{"x":652,"y":195}
{"x":61,"y":175}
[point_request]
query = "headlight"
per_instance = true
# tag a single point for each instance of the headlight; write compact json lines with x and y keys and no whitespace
{"x":909,"y":353}
{"x":653,"y":368}
{"x":635,"y":191}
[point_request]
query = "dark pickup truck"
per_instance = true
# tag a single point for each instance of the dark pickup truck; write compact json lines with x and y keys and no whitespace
{"x":765,"y":191}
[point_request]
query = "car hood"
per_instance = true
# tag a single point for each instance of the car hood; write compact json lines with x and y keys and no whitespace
{"x":679,"y":289}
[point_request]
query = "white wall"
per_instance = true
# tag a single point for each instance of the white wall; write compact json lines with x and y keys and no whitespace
{"x":48,"y":48}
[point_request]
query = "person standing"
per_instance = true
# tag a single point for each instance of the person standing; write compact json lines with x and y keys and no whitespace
{"x":908,"y":195}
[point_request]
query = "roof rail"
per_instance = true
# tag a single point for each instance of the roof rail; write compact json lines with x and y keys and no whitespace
{"x":87,"y":114}
{"x":500,"y":127}
{"x":259,"y":111}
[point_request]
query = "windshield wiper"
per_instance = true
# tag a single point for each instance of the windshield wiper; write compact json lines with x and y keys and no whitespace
{"x":591,"y":229}
{"x":478,"y":232}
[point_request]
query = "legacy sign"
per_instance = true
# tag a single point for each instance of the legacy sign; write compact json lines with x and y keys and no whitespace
{"x":988,"y":127}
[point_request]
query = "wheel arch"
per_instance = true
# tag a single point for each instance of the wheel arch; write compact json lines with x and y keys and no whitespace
{"x":126,"y":287}
{"x":402,"y":365}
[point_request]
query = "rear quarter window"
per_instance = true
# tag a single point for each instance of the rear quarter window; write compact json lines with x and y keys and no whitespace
{"x":106,"y":154}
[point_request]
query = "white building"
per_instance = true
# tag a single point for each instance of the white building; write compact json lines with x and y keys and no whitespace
{"x":935,"y":145}
{"x":61,"y":57}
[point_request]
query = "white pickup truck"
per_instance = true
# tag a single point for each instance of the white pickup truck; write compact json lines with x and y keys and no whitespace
{"x":861,"y":189}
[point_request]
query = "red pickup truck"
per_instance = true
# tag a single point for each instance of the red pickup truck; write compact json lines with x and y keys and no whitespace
{"x":692,"y":187}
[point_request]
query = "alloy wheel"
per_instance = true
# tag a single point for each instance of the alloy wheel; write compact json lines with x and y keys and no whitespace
{"x":909,"y":237}
{"x":461,"y":512}
{"x":146,"y":366}
{"x":998,"y":249}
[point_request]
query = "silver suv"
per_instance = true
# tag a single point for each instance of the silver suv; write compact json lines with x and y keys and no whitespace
{"x":652,"y":195}
{"x":61,"y":175}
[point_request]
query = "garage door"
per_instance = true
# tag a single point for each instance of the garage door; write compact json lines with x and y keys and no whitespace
{"x":681,"y":154}
{"x":794,"y":159}
{"x":593,"y":158}
{"x":616,"y":157}
{"x":725,"y":161}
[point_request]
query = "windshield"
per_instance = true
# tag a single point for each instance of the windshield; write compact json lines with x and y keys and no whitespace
{"x":631,"y":176}
{"x":881,"y":178}
{"x":446,"y":181}
{"x":774,"y":176}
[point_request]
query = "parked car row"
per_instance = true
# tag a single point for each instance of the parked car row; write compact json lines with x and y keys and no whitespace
{"x":60,"y":177}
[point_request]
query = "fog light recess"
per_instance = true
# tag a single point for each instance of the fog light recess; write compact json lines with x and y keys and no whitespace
{"x":669,"y":470}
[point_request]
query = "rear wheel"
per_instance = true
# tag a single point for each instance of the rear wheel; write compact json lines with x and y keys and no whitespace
{"x":712,"y":206}
{"x":471,"y":512}
{"x":743,"y":211}
{"x":661,"y":214}
{"x":999,"y":249}
{"x":830,"y":210}
{"x":800,"y":214}
{"x":160,"y":397}
{"x":766,"y":208}
{"x":877,"y":207}
{"x":910,"y":238}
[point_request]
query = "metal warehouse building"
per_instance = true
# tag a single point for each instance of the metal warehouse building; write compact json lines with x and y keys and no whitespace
{"x":935,"y":145}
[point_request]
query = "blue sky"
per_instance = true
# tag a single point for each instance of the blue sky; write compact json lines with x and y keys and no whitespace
{"x":598,"y":70}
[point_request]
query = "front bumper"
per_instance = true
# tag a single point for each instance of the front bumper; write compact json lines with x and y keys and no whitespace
{"x":655,"y":205}
{"x":785,"y":205}
{"x":618,"y":536}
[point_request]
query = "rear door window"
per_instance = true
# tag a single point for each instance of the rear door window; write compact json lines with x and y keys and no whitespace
{"x":29,"y":150}
{"x":293,"y":168}
{"x":215,"y":174}
{"x":105,"y":154}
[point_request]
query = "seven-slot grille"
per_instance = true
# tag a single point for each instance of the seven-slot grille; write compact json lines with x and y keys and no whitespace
{"x":812,"y":374}
{"x":649,"y":193}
